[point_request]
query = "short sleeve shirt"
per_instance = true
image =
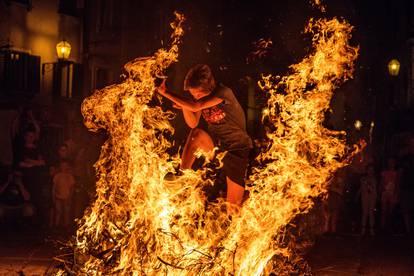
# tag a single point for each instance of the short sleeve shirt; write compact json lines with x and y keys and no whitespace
{"x":227,"y":122}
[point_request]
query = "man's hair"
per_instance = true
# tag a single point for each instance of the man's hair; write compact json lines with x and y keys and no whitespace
{"x":200,"y":76}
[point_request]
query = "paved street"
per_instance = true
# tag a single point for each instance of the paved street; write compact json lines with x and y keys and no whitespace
{"x":23,"y":253}
{"x":352,"y":255}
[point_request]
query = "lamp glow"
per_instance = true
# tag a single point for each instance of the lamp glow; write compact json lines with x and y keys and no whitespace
{"x":63,"y":50}
{"x":394,"y":67}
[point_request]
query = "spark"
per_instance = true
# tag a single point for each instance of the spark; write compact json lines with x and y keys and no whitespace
{"x":261,"y":48}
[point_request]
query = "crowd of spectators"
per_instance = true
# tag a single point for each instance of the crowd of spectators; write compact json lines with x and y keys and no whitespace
{"x":51,"y":179}
{"x":373,"y":196}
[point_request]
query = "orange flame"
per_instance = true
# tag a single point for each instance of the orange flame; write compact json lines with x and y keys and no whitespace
{"x":141,"y":224}
{"x":319,"y":5}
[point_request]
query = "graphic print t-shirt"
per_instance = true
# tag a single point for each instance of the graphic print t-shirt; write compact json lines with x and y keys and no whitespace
{"x":227,"y":122}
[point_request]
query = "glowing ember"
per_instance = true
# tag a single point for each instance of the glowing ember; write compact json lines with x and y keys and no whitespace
{"x":261,"y":48}
{"x":319,"y":4}
{"x":141,"y":224}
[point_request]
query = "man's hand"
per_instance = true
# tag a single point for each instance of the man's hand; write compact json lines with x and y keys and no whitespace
{"x":176,"y":106}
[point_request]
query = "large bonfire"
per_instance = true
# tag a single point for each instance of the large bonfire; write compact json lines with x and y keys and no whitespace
{"x":141,"y":224}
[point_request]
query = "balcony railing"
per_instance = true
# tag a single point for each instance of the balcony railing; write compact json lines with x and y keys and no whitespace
{"x":19,"y":74}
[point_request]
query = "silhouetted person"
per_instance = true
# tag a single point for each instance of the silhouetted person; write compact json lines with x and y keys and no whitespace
{"x":24,"y":122}
{"x":335,"y":201}
{"x":368,"y":193}
{"x":407,"y":186}
{"x":388,"y":190}
{"x":30,"y":162}
{"x":62,"y":194}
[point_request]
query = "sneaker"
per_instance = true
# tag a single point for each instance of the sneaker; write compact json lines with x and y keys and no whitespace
{"x":173,"y":176}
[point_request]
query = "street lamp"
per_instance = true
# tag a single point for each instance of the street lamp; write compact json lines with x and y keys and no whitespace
{"x":394,"y":67}
{"x":63,"y":50}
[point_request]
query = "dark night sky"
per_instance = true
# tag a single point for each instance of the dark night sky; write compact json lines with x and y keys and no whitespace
{"x":221,"y":33}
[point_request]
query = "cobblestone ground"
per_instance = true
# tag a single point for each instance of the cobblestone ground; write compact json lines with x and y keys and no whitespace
{"x":27,"y":253}
{"x":353,"y":255}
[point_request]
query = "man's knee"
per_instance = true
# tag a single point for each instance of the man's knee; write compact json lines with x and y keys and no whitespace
{"x":196,"y":134}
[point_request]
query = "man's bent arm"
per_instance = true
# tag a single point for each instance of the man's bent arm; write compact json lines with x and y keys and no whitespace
{"x":191,"y":118}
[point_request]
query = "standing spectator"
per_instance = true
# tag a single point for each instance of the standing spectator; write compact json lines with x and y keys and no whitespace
{"x":52,"y":133}
{"x":28,"y":155}
{"x":368,"y":193}
{"x":62,"y":192}
{"x":61,"y":156}
{"x":24,"y":122}
{"x":335,"y":202}
{"x":407,"y":186}
{"x":388,"y":190}
{"x":74,"y":141}
{"x":15,"y":197}
{"x":355,"y":172}
{"x":30,"y":161}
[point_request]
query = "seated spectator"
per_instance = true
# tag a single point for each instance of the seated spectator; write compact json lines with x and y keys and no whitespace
{"x":62,"y":193}
{"x":14,"y":197}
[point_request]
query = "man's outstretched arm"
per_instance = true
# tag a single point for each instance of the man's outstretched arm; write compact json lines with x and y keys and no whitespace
{"x":188,"y":104}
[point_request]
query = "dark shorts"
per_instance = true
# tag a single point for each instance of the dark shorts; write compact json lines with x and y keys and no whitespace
{"x":235,"y":164}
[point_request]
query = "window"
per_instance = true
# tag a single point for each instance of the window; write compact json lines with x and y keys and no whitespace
{"x":19,"y":74}
{"x":26,"y":3}
{"x":68,"y":7}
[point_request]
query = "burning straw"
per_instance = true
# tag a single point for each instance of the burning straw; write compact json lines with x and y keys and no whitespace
{"x":143,"y":225}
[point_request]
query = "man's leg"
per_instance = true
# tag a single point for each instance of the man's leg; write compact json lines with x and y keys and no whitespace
{"x":235,"y":192}
{"x":198,"y":139}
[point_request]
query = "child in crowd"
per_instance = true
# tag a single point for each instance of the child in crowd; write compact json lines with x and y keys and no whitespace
{"x":62,"y":192}
{"x":368,"y":192}
{"x":388,"y":189}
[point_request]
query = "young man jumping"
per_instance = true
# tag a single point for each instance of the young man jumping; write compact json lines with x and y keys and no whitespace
{"x":226,"y":121}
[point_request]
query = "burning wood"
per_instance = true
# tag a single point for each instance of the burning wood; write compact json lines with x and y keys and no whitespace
{"x":140,"y":224}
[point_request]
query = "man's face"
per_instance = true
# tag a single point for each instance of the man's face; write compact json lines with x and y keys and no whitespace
{"x":63,"y":152}
{"x":29,"y":137}
{"x":198,"y":93}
